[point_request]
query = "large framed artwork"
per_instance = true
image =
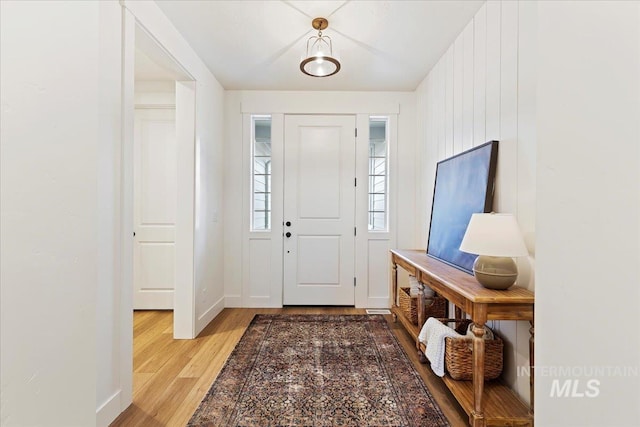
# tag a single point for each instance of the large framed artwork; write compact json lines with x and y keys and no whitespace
{"x":464,"y":185}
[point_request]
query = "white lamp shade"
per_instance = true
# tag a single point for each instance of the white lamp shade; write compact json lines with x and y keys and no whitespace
{"x":493,"y":235}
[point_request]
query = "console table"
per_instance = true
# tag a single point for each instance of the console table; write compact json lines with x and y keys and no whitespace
{"x":488,"y":403}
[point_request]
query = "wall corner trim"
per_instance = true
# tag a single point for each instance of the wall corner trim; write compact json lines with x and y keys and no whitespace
{"x":109,"y":410}
{"x":209,"y":315}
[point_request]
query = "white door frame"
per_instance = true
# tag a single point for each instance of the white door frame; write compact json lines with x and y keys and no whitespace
{"x":184,"y":308}
{"x":370,"y":246}
{"x":184,"y":312}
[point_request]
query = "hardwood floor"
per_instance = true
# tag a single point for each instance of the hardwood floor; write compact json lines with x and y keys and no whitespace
{"x":171,"y":377}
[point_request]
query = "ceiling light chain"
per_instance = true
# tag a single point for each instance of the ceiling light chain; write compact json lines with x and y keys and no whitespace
{"x":319,"y":60}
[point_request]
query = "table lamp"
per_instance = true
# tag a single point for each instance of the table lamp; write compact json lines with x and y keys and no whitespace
{"x":496,"y":238}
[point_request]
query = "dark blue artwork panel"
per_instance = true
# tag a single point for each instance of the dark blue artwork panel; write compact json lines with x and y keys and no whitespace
{"x":464,"y":185}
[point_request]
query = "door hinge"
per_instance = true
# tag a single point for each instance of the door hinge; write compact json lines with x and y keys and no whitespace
{"x":354,"y":282}
{"x":354,"y":231}
{"x":356,"y":132}
{"x":355,"y":182}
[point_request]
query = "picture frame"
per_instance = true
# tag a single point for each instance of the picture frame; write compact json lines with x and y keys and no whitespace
{"x":464,"y":185}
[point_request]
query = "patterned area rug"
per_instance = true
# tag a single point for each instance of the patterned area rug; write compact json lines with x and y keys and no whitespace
{"x":318,"y":370}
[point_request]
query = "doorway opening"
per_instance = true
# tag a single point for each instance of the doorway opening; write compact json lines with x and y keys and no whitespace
{"x":158,"y":164}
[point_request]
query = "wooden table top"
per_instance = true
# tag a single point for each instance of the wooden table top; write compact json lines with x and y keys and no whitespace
{"x":461,"y":282}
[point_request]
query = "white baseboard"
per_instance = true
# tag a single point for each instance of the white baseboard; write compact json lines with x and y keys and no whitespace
{"x":209,"y":315}
{"x":262,"y":302}
{"x":109,"y":410}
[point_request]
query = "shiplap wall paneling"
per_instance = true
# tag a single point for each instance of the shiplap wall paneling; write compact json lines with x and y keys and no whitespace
{"x":508,"y":159}
{"x":493,"y":86}
{"x":458,"y":87}
{"x":433,"y":92}
{"x":479,"y":75}
{"x":492,"y":82}
{"x":467,"y":86}
{"x":473,"y":97}
{"x":449,"y":101}
{"x":441,"y":109}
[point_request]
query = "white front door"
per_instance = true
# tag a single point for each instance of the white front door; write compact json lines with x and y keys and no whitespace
{"x":155,"y":178}
{"x":319,"y":210}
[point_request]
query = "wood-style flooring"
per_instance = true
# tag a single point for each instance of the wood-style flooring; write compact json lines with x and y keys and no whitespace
{"x":171,"y":377}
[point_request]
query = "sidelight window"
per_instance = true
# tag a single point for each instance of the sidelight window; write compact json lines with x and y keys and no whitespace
{"x":378,"y":173}
{"x":261,"y":173}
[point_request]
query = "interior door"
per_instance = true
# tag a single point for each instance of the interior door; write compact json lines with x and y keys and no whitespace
{"x":319,"y":210}
{"x":155,"y":197}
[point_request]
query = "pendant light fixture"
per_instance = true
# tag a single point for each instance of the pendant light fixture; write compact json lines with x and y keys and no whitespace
{"x":319,"y":60}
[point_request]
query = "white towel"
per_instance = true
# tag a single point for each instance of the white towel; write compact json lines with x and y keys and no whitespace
{"x":432,"y":336}
{"x":413,"y":285}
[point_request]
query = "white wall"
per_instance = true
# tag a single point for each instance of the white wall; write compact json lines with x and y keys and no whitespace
{"x":236,"y":178}
{"x":66,"y":319}
{"x":60,"y":116}
{"x":588,"y":211}
{"x":482,"y":89}
{"x":109,"y":340}
{"x":209,"y":231}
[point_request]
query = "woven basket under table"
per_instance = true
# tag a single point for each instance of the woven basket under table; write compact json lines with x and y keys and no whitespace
{"x":434,"y":306}
{"x":459,"y":358}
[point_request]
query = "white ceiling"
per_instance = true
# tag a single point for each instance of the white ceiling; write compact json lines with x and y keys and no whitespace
{"x":382,"y":45}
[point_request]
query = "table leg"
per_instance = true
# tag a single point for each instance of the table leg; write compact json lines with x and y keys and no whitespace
{"x":421,"y":319}
{"x":477,"y":415}
{"x":421,"y":305}
{"x":479,"y":319}
{"x":531,"y":364}
{"x":394,"y":282}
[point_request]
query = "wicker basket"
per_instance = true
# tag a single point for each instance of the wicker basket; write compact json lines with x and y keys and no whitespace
{"x":459,"y":357}
{"x":434,"y":307}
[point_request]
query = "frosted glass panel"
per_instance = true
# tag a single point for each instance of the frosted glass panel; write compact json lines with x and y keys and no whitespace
{"x":378,"y":173}
{"x":261,"y":173}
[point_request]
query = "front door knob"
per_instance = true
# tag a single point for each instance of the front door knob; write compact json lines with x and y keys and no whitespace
{"x":288,"y":224}
{"x":288,"y":234}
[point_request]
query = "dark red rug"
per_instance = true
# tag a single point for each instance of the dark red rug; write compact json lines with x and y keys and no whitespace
{"x":318,"y":370}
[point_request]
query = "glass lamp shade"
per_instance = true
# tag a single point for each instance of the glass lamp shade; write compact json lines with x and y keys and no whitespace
{"x":496,"y":238}
{"x":319,"y":60}
{"x":320,"y":66}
